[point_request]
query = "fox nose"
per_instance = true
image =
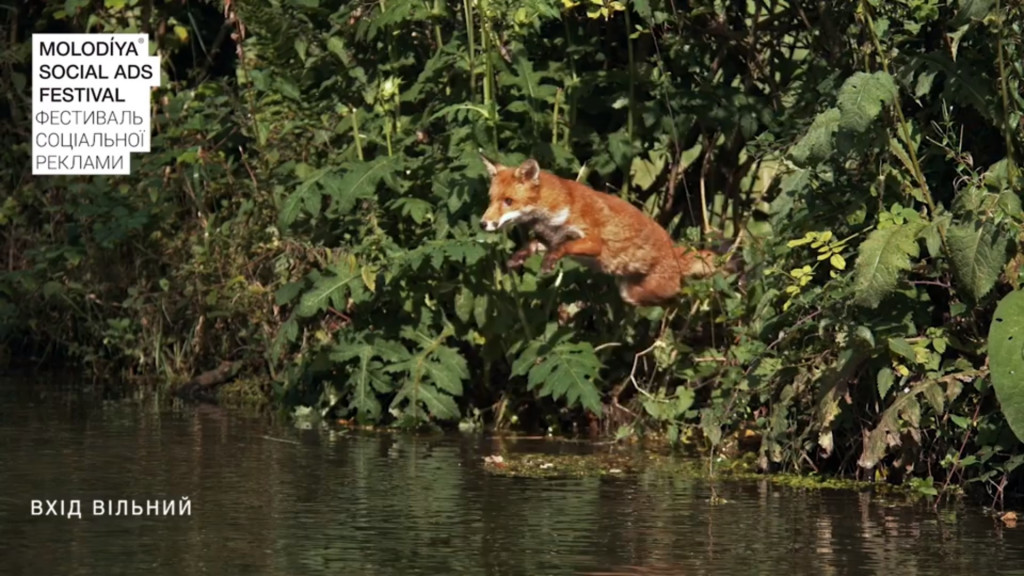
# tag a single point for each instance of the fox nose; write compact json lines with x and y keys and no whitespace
{"x":487,"y":225}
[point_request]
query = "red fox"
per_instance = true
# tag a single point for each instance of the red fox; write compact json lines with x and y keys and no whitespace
{"x":599,"y":230}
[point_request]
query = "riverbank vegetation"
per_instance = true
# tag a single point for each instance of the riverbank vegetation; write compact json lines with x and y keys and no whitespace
{"x":308,"y":219}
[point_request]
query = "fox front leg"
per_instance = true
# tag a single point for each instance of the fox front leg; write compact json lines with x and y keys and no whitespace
{"x":519,"y":257}
{"x":585,"y":247}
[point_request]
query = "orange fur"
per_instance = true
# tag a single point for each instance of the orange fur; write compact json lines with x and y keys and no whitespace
{"x":600,"y":230}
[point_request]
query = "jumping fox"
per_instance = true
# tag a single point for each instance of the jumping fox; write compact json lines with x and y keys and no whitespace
{"x":599,"y":230}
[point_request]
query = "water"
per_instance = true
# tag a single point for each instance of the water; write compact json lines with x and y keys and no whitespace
{"x":269,"y":499}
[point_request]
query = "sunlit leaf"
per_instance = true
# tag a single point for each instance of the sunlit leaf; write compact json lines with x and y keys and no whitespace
{"x":862,"y":98}
{"x":977,"y":253}
{"x":1006,"y":358}
{"x":881,"y":259}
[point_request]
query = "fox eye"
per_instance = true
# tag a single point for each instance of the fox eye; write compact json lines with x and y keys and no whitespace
{"x":508,"y":201}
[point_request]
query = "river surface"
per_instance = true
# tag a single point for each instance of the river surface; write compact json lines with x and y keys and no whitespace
{"x":269,"y":498}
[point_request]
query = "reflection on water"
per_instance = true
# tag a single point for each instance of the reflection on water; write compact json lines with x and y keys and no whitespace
{"x":273,"y":500}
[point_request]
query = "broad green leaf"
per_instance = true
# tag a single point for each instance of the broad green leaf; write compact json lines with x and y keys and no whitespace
{"x":1009,"y":204}
{"x":932,"y":234}
{"x":438,"y":404}
{"x":974,"y":9}
{"x":645,"y":172}
{"x":1006,"y":359}
{"x":291,"y":207}
{"x":330,"y":290}
{"x":978,"y":253}
{"x":464,"y":304}
{"x":817,"y":144}
{"x":903,"y":348}
{"x":933,"y":394}
{"x":862,"y":98}
{"x":360,"y":181}
{"x":884,"y":380}
{"x":368,"y":377}
{"x":567,"y":370}
{"x":684,"y":399}
{"x":882,"y":257}
{"x":287,"y":292}
{"x":433,"y":377}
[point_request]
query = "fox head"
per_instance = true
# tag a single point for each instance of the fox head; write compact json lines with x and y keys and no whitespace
{"x":514,"y":193}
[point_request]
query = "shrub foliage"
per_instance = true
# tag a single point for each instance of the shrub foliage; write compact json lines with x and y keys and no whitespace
{"x":311,"y":207}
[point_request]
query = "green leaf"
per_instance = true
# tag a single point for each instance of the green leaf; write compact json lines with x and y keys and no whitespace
{"x":884,"y":379}
{"x":934,"y":395}
{"x":903,"y":348}
{"x":862,"y":98}
{"x":464,"y":304}
{"x":331,"y":290}
{"x":882,"y":257}
{"x":932,"y":234}
{"x":434,"y":377}
{"x":645,"y":172}
{"x":1009,"y":204}
{"x":817,"y":144}
{"x":565,"y":370}
{"x":291,"y":207}
{"x":287,"y":293}
{"x":1006,"y":359}
{"x":359,"y":182}
{"x":978,"y":253}
{"x":684,"y":399}
{"x":974,"y":9}
{"x":368,"y":377}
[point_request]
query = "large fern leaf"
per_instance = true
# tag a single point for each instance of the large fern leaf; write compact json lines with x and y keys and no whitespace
{"x":368,"y":377}
{"x":882,"y":257}
{"x":332,"y":289}
{"x":432,"y":378}
{"x":562,"y":369}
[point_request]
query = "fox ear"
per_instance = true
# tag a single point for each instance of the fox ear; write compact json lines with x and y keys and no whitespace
{"x":492,"y":167}
{"x":529,"y":171}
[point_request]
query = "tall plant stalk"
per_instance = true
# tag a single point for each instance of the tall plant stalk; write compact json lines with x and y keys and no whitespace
{"x":1011,"y":167}
{"x":470,"y":44}
{"x":630,"y":113}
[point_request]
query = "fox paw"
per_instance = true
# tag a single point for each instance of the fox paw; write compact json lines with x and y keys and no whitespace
{"x":517,"y":260}
{"x":548,"y":265}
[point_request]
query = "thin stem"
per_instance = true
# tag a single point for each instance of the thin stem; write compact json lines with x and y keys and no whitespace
{"x":519,"y":304}
{"x":570,"y":115}
{"x":554,"y":117}
{"x":632,"y":89}
{"x":355,"y":133}
{"x":438,"y":10}
{"x":485,"y":45}
{"x":1011,"y":167}
{"x":471,"y":44}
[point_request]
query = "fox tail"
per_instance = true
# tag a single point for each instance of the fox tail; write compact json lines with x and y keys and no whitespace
{"x":703,"y":263}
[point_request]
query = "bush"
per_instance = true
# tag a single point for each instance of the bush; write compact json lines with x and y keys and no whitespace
{"x":310,"y":209}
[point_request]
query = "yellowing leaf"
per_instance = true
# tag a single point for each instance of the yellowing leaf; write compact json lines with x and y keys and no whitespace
{"x":181,"y":33}
{"x":838,"y":262}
